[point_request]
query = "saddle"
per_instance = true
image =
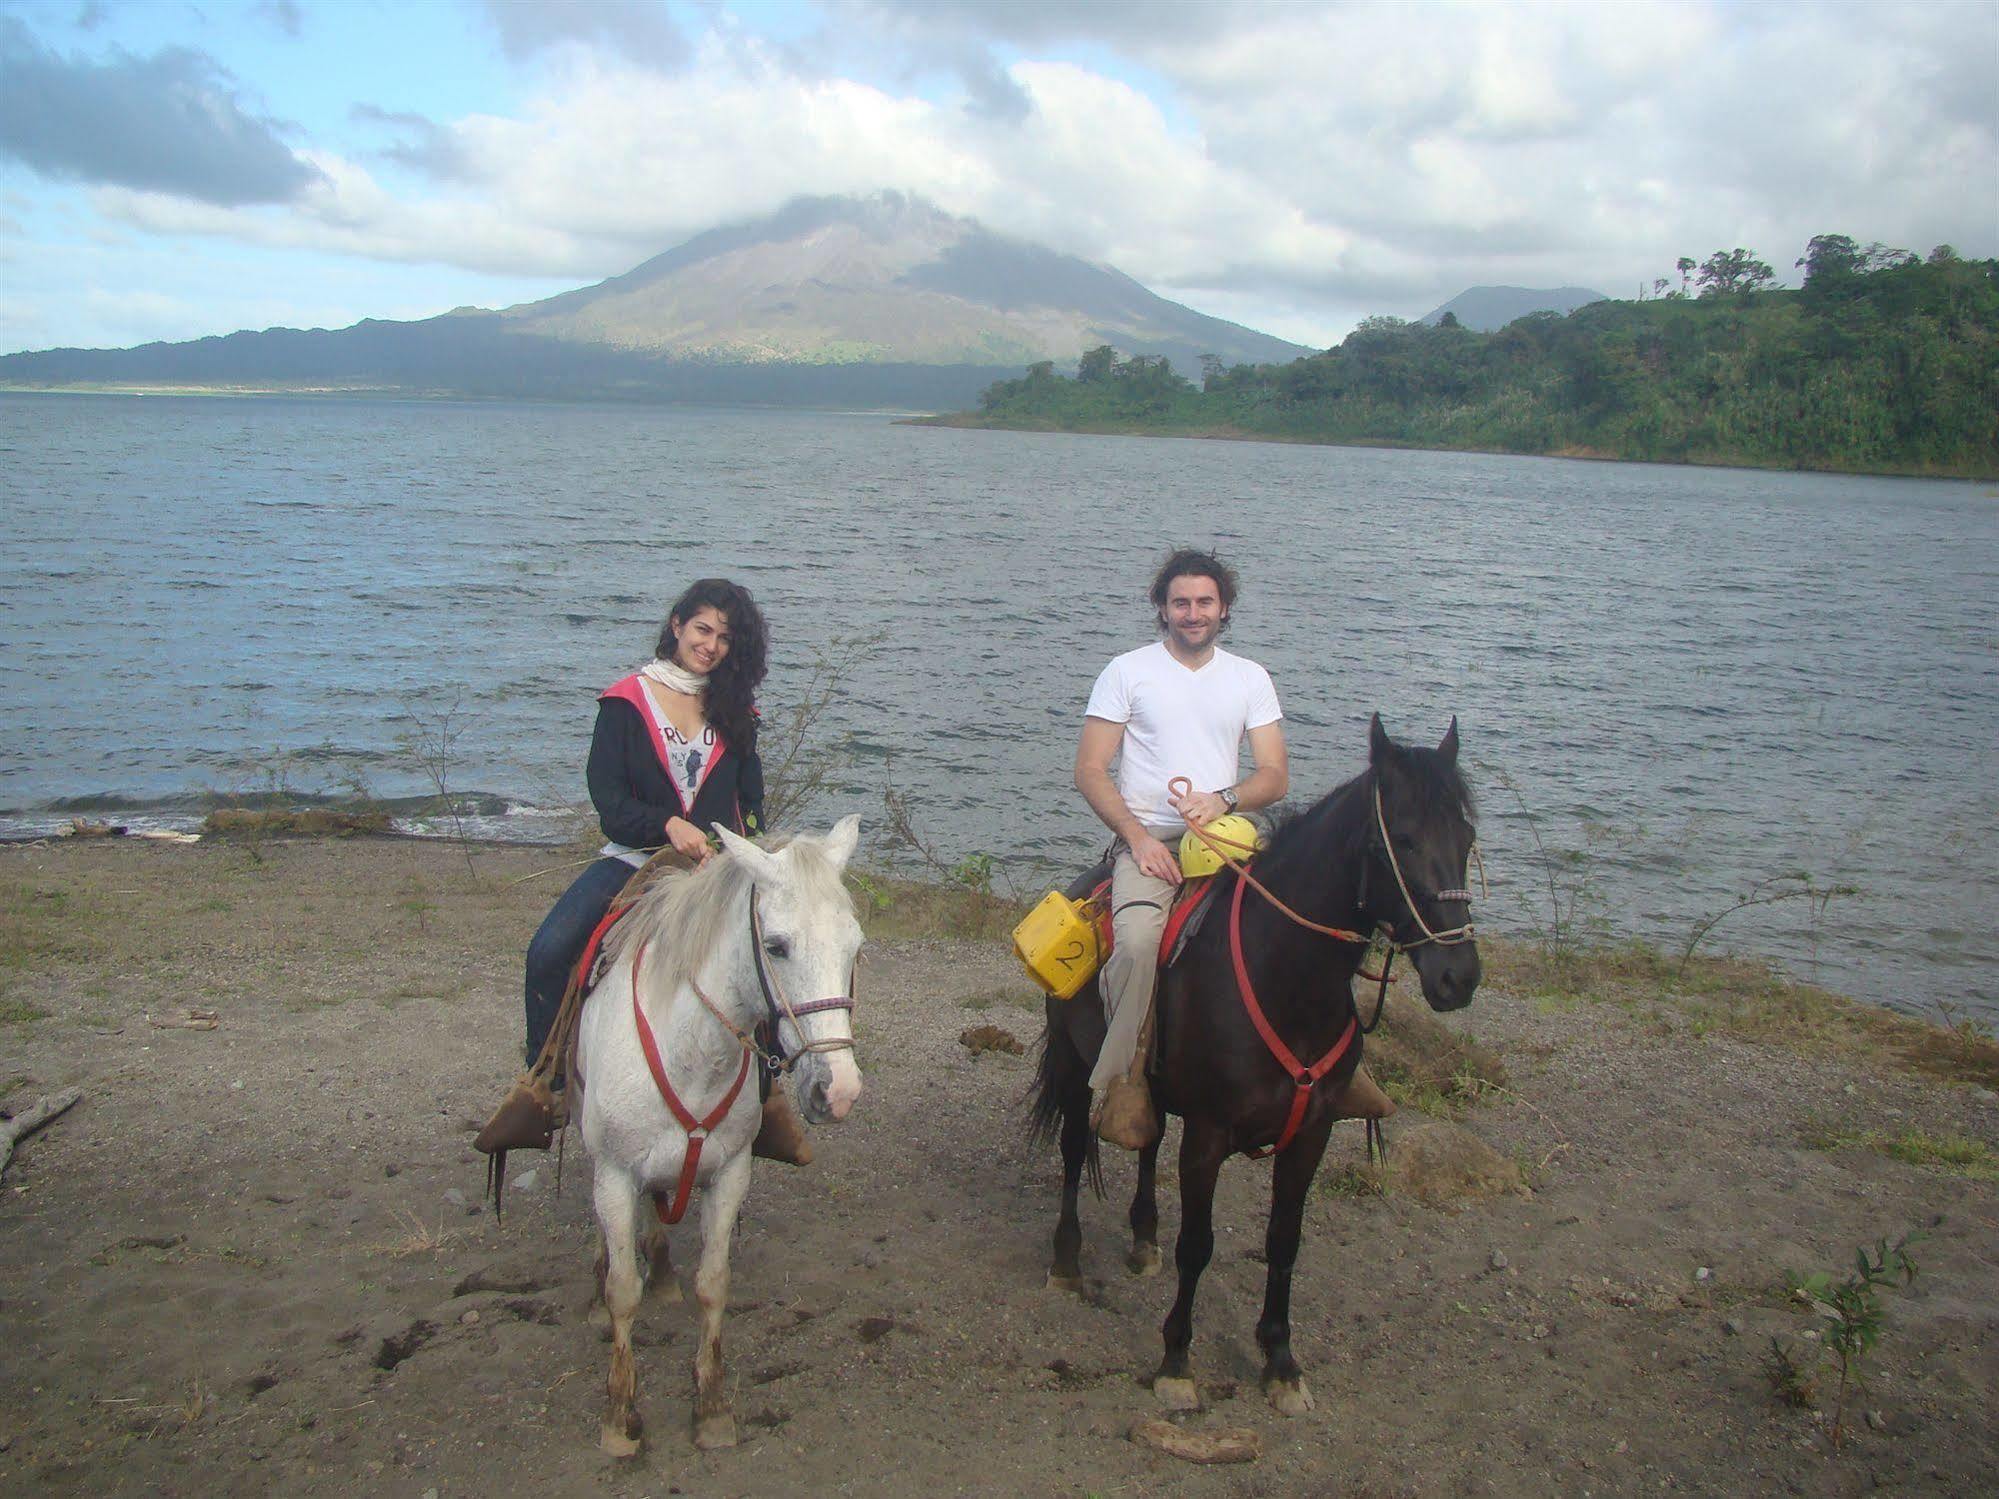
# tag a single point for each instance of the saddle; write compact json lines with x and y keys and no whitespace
{"x":536,"y":1107}
{"x":1190,"y":908}
{"x":1360,"y":1098}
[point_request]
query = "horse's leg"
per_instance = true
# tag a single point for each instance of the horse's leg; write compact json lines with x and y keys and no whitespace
{"x":1066,"y":1272}
{"x":1203,"y":1148}
{"x":714,"y":1422}
{"x":600,"y":1315}
{"x":617,"y":1203}
{"x":1283,"y":1382}
{"x":1144,"y":1257}
{"x":660,"y":1284}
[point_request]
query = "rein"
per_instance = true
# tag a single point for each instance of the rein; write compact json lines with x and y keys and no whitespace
{"x":1181,"y":786}
{"x":773,"y":1058}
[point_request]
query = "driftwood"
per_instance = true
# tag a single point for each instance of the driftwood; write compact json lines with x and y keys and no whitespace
{"x":1235,"y":1444}
{"x":32,"y":1118}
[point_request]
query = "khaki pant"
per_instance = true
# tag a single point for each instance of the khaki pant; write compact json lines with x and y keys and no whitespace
{"x":1139,"y":904}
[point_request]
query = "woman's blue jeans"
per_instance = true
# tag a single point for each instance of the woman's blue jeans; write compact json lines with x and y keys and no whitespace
{"x":559,"y":943}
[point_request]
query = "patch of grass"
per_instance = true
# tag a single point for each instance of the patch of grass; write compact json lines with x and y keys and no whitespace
{"x":1959,"y":1155}
{"x":1424,"y":1065}
{"x":1352,"y":1183}
{"x":418,"y":1238}
{"x":1012,"y":996}
{"x":20,"y":1012}
{"x":42,"y":925}
{"x":899,"y":910}
{"x":1743,"y":999}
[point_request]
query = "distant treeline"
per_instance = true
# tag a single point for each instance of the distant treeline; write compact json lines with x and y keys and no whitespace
{"x":1880,"y":363}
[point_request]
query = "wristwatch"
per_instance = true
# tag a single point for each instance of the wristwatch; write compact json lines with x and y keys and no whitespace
{"x":1228,"y":796}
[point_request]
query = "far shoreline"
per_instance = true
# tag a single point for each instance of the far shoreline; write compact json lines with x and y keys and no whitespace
{"x":968,"y":421}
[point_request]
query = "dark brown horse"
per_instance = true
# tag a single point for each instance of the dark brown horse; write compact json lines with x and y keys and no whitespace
{"x":1389,"y":849}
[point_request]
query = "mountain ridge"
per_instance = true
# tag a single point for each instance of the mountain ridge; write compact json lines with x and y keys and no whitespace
{"x":1487,"y":309}
{"x":887,"y":297}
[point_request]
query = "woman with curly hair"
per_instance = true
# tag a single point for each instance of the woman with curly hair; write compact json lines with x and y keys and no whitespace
{"x":674,"y":756}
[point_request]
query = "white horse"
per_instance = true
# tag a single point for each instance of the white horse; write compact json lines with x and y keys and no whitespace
{"x":669,"y":1080}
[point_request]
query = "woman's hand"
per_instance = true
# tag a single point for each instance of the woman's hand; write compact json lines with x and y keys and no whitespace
{"x":687,"y":839}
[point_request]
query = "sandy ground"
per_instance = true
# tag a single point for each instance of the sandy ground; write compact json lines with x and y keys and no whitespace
{"x":252,"y":1260}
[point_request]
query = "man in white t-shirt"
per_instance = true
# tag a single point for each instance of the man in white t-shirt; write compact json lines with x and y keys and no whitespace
{"x":1179,"y":707}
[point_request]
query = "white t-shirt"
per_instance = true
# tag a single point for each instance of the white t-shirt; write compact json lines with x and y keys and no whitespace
{"x":1180,"y":723}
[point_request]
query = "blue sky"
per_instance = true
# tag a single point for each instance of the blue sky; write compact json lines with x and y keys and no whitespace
{"x":172,"y":169}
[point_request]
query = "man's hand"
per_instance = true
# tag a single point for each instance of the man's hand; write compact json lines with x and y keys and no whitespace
{"x":1200,"y":807}
{"x":1154,"y":857}
{"x":688,"y":840}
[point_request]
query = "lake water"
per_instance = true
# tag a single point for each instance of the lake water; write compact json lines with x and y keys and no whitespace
{"x":1684,"y":681}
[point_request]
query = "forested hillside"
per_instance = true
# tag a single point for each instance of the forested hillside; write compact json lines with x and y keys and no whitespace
{"x":1880,"y":363}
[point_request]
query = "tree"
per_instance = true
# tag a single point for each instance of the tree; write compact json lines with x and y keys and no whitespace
{"x":1829,"y":258}
{"x":1097,"y":365}
{"x":1684,"y":265}
{"x":1212,"y":371}
{"x":1449,"y":320}
{"x":1731,"y":273}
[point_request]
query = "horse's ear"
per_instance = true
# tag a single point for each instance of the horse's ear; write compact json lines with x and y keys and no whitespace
{"x":1449,"y":748}
{"x":752,"y":858}
{"x":845,"y":837}
{"x":1379,"y":746}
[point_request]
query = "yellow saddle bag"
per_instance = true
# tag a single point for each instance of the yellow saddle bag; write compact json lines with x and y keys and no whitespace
{"x":1058,"y":943}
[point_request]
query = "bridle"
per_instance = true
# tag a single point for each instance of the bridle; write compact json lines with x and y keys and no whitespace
{"x":1450,"y":936}
{"x":776,"y":1059}
{"x":773,"y":1059}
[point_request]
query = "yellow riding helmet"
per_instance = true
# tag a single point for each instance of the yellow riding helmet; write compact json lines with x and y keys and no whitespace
{"x":1237,"y":836}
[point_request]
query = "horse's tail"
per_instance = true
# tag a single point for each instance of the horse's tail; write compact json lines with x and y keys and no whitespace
{"x":1060,"y":1072}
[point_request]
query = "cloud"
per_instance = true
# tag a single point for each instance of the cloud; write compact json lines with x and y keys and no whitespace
{"x":638,"y":31}
{"x":1293,"y":166}
{"x":1041,"y":22}
{"x":283,"y":14}
{"x":422,"y":145}
{"x":170,"y":123}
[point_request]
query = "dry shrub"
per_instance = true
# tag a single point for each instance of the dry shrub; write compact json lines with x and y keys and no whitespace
{"x":1746,"y":999}
{"x":292,"y":822}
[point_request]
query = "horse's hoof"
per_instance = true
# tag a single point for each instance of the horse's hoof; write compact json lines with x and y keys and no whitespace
{"x":614,"y":1441}
{"x":1073,"y":1284}
{"x":1288,"y":1397}
{"x":712,"y":1432}
{"x":1176,"y":1394}
{"x":1143,"y":1261}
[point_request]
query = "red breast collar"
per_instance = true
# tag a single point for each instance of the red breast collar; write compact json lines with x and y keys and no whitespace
{"x":697,"y":1129}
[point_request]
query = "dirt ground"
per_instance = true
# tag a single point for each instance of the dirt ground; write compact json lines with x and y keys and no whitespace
{"x":252,"y":1260}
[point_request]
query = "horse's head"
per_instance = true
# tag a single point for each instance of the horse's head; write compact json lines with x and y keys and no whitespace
{"x":809,"y":941}
{"x":1419,"y":852}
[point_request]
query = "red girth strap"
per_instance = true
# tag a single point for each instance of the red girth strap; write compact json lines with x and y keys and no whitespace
{"x":697,"y":1129}
{"x":1304,"y":1077}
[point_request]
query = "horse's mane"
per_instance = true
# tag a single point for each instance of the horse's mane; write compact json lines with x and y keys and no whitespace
{"x":684,"y":913}
{"x":1436,"y":781}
